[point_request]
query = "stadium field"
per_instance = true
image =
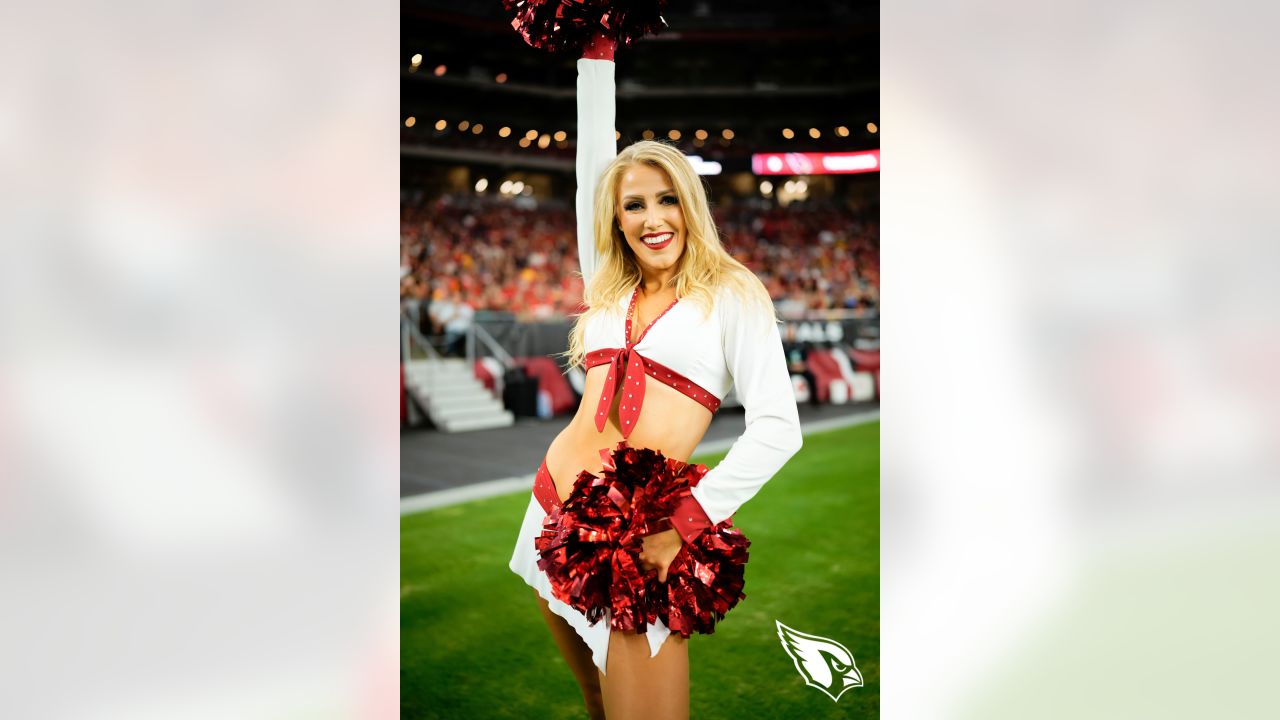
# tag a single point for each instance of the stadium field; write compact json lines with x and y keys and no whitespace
{"x":473,"y":644}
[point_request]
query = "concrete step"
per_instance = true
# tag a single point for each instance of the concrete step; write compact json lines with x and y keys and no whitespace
{"x":438,"y":374}
{"x":453,"y":394}
{"x":441,"y":412}
{"x":504,"y":420}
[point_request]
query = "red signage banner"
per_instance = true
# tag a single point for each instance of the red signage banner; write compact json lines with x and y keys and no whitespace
{"x":841,"y":163}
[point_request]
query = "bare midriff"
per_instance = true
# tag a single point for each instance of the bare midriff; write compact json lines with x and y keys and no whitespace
{"x":669,"y":422}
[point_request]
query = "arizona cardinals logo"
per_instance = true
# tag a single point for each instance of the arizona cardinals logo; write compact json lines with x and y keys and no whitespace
{"x":822,"y":662}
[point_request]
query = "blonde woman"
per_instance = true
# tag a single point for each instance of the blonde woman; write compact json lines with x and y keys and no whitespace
{"x":674,"y":322}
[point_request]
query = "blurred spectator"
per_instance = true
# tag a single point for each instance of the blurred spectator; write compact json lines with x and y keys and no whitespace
{"x":453,"y":315}
{"x":496,"y":255}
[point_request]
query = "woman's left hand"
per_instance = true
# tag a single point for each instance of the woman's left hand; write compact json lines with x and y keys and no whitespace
{"x":659,"y":551}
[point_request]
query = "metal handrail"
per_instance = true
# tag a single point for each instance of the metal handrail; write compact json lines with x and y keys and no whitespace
{"x":409,"y":331}
{"x":478,"y":333}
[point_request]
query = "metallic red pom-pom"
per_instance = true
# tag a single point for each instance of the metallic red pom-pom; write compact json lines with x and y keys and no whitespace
{"x":590,"y":548}
{"x":567,"y":25}
{"x":577,"y":544}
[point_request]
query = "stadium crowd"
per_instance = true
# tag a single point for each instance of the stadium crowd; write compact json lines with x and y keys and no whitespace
{"x":464,"y":253}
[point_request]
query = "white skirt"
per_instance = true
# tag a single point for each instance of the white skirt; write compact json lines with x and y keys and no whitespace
{"x":524,"y":562}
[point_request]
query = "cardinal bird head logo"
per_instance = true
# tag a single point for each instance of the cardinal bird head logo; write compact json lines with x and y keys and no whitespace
{"x":822,"y":662}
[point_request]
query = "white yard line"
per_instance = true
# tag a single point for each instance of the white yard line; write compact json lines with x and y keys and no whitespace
{"x":493,"y":488}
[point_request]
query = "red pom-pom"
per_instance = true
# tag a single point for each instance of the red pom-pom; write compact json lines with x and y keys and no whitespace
{"x":570,"y":25}
{"x":590,"y":549}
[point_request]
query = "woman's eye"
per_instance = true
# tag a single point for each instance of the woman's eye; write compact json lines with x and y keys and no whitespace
{"x":672,"y":199}
{"x":632,"y":206}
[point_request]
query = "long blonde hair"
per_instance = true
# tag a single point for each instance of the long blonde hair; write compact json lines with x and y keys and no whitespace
{"x":704,"y":266}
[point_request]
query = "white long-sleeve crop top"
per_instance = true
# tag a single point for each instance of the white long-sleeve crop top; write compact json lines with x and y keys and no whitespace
{"x":735,"y":346}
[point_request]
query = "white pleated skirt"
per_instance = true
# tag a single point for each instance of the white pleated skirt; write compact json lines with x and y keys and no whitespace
{"x":524,"y":562}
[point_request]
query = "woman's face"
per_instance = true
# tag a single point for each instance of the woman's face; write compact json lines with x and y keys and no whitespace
{"x":651,"y":218}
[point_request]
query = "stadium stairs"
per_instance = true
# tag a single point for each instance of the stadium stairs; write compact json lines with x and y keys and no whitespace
{"x":454,"y":399}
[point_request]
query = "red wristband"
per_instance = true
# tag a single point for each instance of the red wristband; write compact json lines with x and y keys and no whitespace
{"x":689,"y":519}
{"x":599,"y":48}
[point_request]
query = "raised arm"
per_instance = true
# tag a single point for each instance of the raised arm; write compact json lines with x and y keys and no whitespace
{"x":753,"y":353}
{"x":597,"y":145}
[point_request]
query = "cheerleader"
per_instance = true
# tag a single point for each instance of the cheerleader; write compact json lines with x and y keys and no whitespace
{"x":629,"y":549}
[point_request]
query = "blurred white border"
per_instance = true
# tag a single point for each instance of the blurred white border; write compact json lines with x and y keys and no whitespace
{"x":198,"y":440}
{"x":1080,"y":416}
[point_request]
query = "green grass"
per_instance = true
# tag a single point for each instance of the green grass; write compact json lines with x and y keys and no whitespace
{"x":473,"y":644}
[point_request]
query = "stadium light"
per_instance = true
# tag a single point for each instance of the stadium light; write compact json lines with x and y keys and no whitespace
{"x":441,"y":124}
{"x":543,"y":141}
{"x":462,"y":126}
{"x":409,"y":121}
{"x":674,"y":134}
{"x":701,"y":134}
{"x":477,"y":128}
{"x":415,"y":61}
{"x":727,"y":134}
{"x":481,"y":184}
{"x":766,"y":187}
{"x":704,"y":167}
{"x":504,"y":131}
{"x":842,"y":131}
{"x":871,"y":128}
{"x":560,"y":135}
{"x":501,"y":78}
{"x":787,"y":133}
{"x":525,"y":142}
{"x":441,"y":70}
{"x":505,"y":188}
{"x":647,"y":134}
{"x":815,"y":133}
{"x":532,"y":134}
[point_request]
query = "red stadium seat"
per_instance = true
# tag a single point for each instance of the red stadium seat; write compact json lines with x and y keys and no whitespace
{"x":826,"y":373}
{"x":550,"y":381}
{"x":485,"y":376}
{"x":867,"y":361}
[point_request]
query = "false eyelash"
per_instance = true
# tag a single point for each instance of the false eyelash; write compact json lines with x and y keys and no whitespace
{"x":633,"y":206}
